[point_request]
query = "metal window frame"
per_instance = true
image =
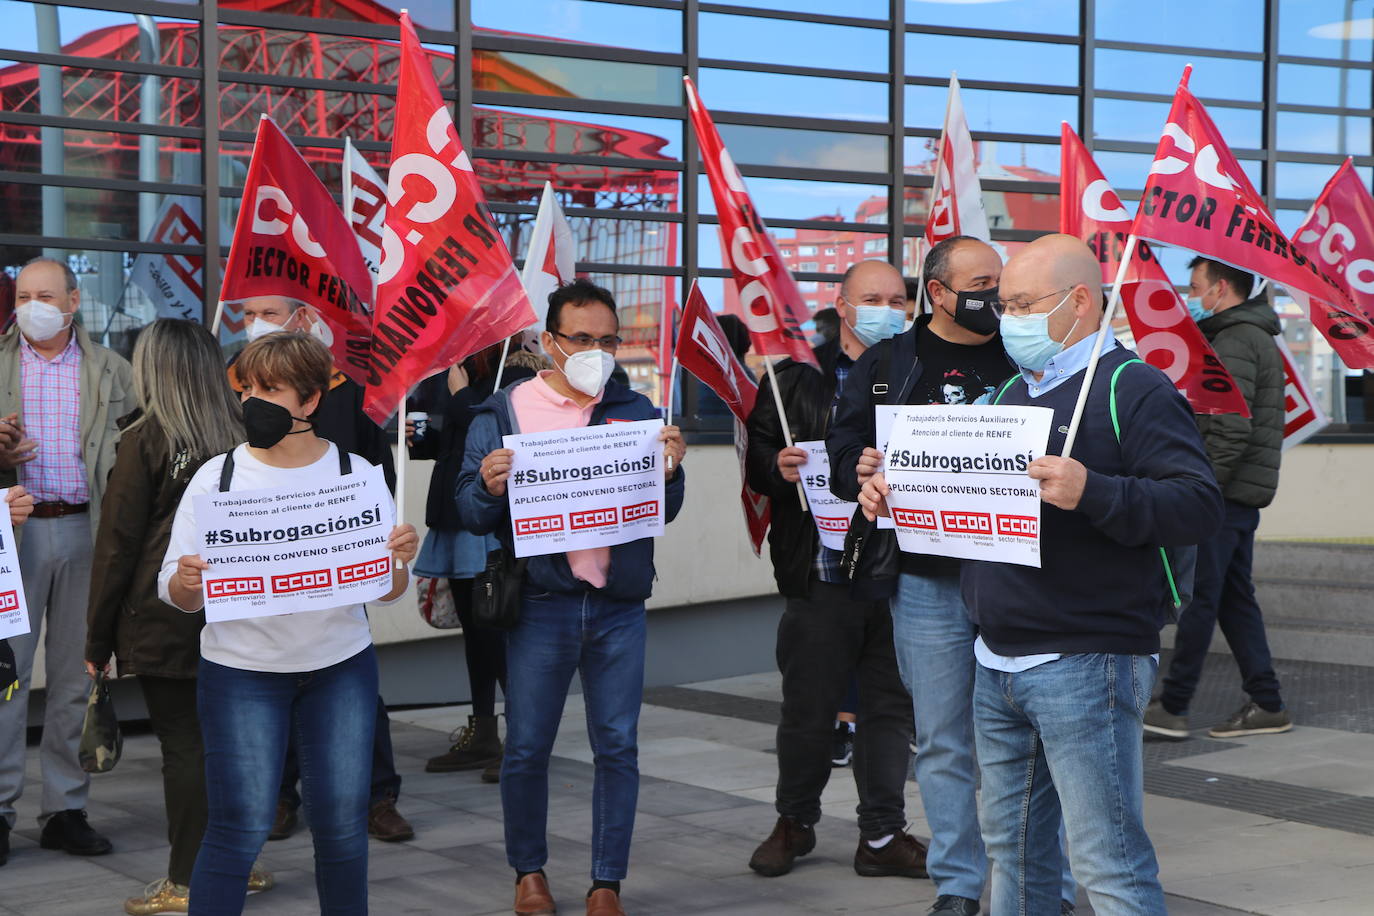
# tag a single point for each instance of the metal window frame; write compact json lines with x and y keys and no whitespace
{"x":465,"y":38}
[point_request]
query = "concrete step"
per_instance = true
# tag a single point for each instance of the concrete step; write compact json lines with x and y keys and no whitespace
{"x":1346,"y":603}
{"x":1351,"y":564}
{"x":1331,"y":642}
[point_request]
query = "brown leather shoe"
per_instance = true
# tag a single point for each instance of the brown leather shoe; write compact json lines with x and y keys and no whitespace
{"x":789,"y":841}
{"x":604,"y":902}
{"x":386,"y":824}
{"x":532,"y":897}
{"x":904,"y":857}
{"x":284,"y":824}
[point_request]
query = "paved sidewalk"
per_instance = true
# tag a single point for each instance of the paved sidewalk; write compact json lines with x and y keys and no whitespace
{"x":1280,"y":825}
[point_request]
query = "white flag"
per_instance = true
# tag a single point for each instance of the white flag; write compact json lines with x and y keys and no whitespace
{"x":956,"y":199}
{"x":174,"y":282}
{"x":551,"y":255}
{"x":364,"y":203}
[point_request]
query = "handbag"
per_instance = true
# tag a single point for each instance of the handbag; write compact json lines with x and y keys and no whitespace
{"x":101,"y":740}
{"x":436,"y":603}
{"x":496,"y":590}
{"x":871,"y":560}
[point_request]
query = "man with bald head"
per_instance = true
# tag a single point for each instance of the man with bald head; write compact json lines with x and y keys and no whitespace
{"x":63,"y":393}
{"x":1067,"y":653}
{"x":950,"y":356}
{"x":827,"y":633}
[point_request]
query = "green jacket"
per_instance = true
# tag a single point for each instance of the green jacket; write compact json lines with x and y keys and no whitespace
{"x":1245,"y":452}
{"x":107,"y":393}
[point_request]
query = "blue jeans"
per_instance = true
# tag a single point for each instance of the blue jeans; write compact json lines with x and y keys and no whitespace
{"x":603,"y":640}
{"x":246,"y":717}
{"x":1224,"y":593}
{"x":934,"y":640}
{"x":1066,"y":736}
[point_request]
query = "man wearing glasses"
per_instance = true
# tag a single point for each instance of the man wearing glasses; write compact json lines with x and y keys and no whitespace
{"x":581,"y":612}
{"x":1067,"y":653}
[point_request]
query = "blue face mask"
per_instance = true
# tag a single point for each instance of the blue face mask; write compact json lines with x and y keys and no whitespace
{"x":1196,"y":310}
{"x":1027,"y":338}
{"x":873,"y":323}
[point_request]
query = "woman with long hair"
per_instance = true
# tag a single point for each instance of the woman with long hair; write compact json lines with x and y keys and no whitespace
{"x":309,"y":675}
{"x":186,"y":414}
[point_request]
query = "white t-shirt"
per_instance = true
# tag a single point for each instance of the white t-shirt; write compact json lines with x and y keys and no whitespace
{"x":286,"y":642}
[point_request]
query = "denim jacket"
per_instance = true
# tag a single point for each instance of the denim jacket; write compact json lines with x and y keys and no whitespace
{"x":631,"y":574}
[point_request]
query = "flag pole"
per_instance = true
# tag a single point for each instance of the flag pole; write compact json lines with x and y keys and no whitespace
{"x":501,"y":366}
{"x":1103,"y":332}
{"x":219,"y":314}
{"x":401,"y":462}
{"x":786,"y":429}
{"x":671,"y":392}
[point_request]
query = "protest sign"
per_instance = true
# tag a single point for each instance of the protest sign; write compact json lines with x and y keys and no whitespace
{"x":831,"y":513}
{"x":286,"y":550}
{"x":958,"y":483}
{"x":590,"y":486}
{"x":14,"y":610}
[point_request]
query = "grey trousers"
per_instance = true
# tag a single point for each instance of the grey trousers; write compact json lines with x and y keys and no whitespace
{"x":55,"y":561}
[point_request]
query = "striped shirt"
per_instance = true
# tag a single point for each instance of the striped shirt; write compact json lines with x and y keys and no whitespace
{"x":52,"y":418}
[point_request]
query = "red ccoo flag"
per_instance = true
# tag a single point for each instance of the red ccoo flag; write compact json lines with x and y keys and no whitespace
{"x":1339,"y":234}
{"x":956,"y":196}
{"x":773,"y":305}
{"x":704,"y":350}
{"x":292,"y":240}
{"x":1198,"y":197}
{"x":1165,"y":334}
{"x":447,"y":287}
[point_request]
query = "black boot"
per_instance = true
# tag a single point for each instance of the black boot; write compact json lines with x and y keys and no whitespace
{"x":476,"y":746}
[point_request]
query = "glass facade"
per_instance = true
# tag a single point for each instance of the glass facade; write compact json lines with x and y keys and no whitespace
{"x":832,"y":112}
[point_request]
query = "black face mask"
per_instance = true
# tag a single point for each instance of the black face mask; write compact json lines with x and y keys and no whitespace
{"x":973,"y":310}
{"x":267,"y":423}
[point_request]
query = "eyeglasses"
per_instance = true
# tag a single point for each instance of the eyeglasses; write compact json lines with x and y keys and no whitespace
{"x":1017,"y":308}
{"x":587,"y":341}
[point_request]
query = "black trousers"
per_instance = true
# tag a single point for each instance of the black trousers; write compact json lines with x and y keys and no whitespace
{"x":171,"y":706}
{"x":484,"y":649}
{"x":822,"y":640}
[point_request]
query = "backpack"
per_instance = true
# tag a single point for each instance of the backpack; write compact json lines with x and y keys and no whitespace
{"x":1180,"y":563}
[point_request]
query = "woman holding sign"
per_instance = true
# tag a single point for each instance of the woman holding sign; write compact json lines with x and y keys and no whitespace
{"x":186,"y":414}
{"x":312,"y":675}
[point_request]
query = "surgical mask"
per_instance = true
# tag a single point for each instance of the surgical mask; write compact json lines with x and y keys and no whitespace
{"x":1196,"y":310}
{"x":973,"y":310}
{"x":41,"y":320}
{"x":267,"y":423}
{"x":1027,"y":338}
{"x":587,"y":370}
{"x":873,"y":323}
{"x":261,"y":327}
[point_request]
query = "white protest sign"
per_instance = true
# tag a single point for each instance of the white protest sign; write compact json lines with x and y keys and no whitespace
{"x":883,"y":417}
{"x":590,"y":486}
{"x":958,"y":484}
{"x":831,"y":513}
{"x":14,"y":610}
{"x":284,"y":550}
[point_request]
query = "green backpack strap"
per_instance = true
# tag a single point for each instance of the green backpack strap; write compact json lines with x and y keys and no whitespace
{"x":1116,"y":428}
{"x":1003,"y":390}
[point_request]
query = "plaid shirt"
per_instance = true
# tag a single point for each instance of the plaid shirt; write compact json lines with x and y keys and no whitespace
{"x":827,"y":564}
{"x":52,"y":418}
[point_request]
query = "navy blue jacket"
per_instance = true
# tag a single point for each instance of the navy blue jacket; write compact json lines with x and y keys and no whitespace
{"x":631,"y":576}
{"x":1101,"y":585}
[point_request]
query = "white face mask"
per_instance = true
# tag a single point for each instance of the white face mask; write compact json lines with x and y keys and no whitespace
{"x":261,"y":327}
{"x":41,"y":320}
{"x":589,"y":370}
